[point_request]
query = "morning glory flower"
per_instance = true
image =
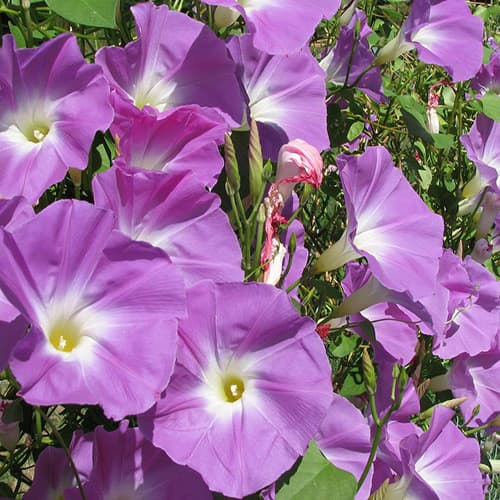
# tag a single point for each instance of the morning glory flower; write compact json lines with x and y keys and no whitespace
{"x":181,"y":139}
{"x":237,"y":410}
{"x":482,"y":144}
{"x":432,"y":469}
{"x":445,"y":33}
{"x":53,"y":476}
{"x":175,"y":60}
{"x":388,"y":224}
{"x":344,"y":439}
{"x":351,"y":56}
{"x":173,"y":212}
{"x":13,"y":213}
{"x":103,"y":310}
{"x":281,"y":26}
{"x":143,"y":471}
{"x":488,"y":77}
{"x":476,"y":378}
{"x":52,"y":103}
{"x":473,"y":307}
{"x":285,"y":95}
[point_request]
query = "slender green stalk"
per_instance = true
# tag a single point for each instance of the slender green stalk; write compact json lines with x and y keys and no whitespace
{"x":60,"y":440}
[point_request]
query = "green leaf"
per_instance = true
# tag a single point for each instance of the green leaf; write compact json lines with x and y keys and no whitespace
{"x":491,"y":106}
{"x":443,"y":141}
{"x":353,"y":385}
{"x":414,"y":116}
{"x":345,"y":345}
{"x":355,"y":130}
{"x":99,"y":13}
{"x":317,"y":478}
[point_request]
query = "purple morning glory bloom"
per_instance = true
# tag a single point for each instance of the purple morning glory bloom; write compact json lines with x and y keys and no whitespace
{"x":102,"y":310}
{"x":476,"y":378}
{"x":488,"y":77}
{"x":53,"y":474}
{"x":432,"y":469}
{"x":394,"y":326}
{"x":281,"y":26}
{"x":174,"y":213}
{"x":285,"y":95}
{"x":344,"y":67}
{"x":182,"y":139}
{"x":52,"y":103}
{"x":445,"y":33}
{"x":175,"y":60}
{"x":13,"y":213}
{"x":482,"y":144}
{"x":236,"y":409}
{"x":344,"y":439}
{"x":143,"y":472}
{"x":473,"y":307}
{"x":388,"y":224}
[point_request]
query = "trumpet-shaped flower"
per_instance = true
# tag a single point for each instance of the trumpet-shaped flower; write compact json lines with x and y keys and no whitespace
{"x":488,"y":77}
{"x":13,"y":213}
{"x":445,"y":33}
{"x":281,"y":26}
{"x":344,"y":439}
{"x":432,"y":469}
{"x":174,"y":213}
{"x":388,"y":224}
{"x":175,"y":60}
{"x":51,"y":105}
{"x":53,"y":475}
{"x":143,"y":472}
{"x":182,"y":139}
{"x":482,"y":144}
{"x":473,"y":307}
{"x":101,"y":307}
{"x":285,"y":95}
{"x":346,"y":63}
{"x":476,"y":378}
{"x":236,"y":410}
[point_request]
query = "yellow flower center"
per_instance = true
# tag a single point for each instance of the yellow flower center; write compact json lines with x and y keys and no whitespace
{"x":64,"y":335}
{"x":37,"y":132}
{"x":233,"y":388}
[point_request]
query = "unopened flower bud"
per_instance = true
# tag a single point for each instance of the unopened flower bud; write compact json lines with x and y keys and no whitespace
{"x":368,"y":372}
{"x":432,"y":120}
{"x":491,"y":206}
{"x":256,"y":177}
{"x":76,"y":176}
{"x":225,"y":16}
{"x":482,"y":251}
{"x":298,"y":161}
{"x":292,"y":245}
{"x":348,"y":12}
{"x":495,"y":422}
{"x":231,"y":164}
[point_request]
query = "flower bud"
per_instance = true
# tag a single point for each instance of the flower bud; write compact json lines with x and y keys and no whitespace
{"x":225,"y":16}
{"x":231,"y":164}
{"x":482,"y":251}
{"x":76,"y":176}
{"x":255,"y":163}
{"x":368,"y":372}
{"x":432,"y":120}
{"x":491,"y":206}
{"x":298,"y":161}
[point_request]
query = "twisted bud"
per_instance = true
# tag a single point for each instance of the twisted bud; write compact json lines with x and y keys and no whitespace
{"x":298,"y":161}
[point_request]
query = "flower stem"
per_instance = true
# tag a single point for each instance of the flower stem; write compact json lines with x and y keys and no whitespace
{"x":59,"y":438}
